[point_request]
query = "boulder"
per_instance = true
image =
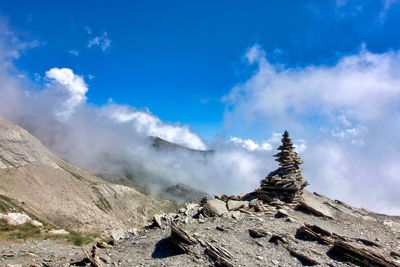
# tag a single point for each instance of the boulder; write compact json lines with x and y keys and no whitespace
{"x":315,"y":205}
{"x":236,"y":204}
{"x":216,"y":207}
{"x":19,"y":218}
{"x":117,"y":235}
{"x":157,"y":220}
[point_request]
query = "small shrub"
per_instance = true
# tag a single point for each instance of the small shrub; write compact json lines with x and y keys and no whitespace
{"x":78,"y":239}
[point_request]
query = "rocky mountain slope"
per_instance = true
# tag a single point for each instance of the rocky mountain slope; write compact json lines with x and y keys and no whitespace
{"x":279,"y":224}
{"x":36,"y":182}
{"x":236,"y":231}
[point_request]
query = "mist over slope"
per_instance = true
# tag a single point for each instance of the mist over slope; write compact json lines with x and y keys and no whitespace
{"x":58,"y":193}
{"x":114,"y":139}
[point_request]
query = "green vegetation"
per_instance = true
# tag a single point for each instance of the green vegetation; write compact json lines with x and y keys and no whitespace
{"x":80,"y":239}
{"x":7,"y":204}
{"x":28,"y":230}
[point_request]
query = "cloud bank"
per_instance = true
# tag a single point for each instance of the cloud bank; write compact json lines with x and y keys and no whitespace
{"x":348,"y":113}
{"x":114,"y":138}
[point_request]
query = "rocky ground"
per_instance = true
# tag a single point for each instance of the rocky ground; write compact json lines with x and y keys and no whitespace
{"x":319,"y":231}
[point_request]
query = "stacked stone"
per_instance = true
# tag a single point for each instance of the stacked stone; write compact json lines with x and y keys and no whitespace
{"x":285,"y":183}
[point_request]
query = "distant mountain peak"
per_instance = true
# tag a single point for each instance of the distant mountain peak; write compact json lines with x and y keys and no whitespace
{"x":162,"y":144}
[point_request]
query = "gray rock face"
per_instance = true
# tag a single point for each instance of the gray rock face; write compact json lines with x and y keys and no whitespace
{"x":216,"y":206}
{"x":313,"y":204}
{"x":19,"y":148}
{"x":236,"y":204}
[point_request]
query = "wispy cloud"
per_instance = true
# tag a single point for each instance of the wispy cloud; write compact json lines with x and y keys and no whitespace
{"x":101,"y":41}
{"x":12,"y":46}
{"x":73,"y":52}
{"x":387,"y":4}
{"x":88,"y":30}
{"x":344,"y":9}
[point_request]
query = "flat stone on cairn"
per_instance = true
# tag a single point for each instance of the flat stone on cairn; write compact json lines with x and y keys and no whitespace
{"x":285,"y":183}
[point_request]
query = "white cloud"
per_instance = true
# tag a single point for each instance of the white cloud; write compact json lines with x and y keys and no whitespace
{"x":113,"y":138}
{"x":150,"y":125}
{"x":361,"y":86}
{"x":101,"y":41}
{"x":73,"y":84}
{"x":254,"y":53}
{"x":348,"y":112}
{"x":251,"y":145}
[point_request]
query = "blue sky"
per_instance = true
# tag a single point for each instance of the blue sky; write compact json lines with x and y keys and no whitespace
{"x":92,"y":76}
{"x":179,"y":58}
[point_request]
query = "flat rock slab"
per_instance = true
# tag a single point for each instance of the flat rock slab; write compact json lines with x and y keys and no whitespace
{"x":315,"y":205}
{"x":58,"y":232}
{"x":218,"y":207}
{"x":236,"y":204}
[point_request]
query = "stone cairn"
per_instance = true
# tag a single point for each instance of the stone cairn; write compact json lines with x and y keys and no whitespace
{"x":286,"y":183}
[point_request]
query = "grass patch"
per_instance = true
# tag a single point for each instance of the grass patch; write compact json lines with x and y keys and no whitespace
{"x":28,"y":230}
{"x":22,"y":231}
{"x":79,"y":239}
{"x":7,"y":204}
